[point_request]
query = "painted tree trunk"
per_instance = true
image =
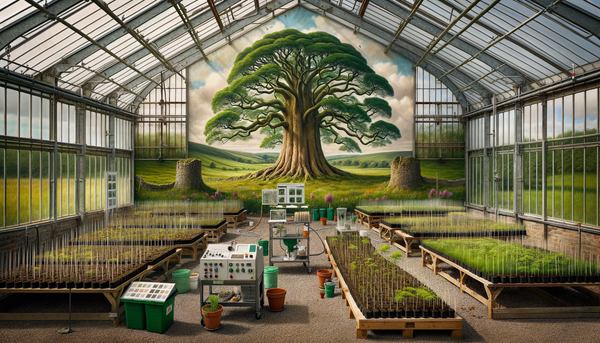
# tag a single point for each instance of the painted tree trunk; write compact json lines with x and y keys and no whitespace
{"x":301,"y":152}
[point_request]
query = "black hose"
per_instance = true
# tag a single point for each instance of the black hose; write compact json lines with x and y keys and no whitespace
{"x":322,"y":252}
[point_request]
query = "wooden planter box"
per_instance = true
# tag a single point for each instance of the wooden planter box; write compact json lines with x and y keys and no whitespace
{"x":407,"y":325}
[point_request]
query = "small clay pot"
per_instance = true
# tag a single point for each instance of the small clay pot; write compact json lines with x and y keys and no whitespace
{"x":322,"y":295}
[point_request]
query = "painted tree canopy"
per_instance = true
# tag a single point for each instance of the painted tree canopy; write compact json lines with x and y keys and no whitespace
{"x":301,"y":90}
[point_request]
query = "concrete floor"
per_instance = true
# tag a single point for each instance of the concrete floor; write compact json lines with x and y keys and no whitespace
{"x":307,"y":318}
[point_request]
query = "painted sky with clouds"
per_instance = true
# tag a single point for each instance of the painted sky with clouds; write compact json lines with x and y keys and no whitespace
{"x":207,"y":78}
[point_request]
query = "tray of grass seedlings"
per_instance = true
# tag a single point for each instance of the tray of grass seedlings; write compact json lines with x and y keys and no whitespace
{"x":455,"y":224}
{"x":511,"y":261}
{"x":233,"y":207}
{"x":380,"y":287}
{"x":410,"y":207}
{"x":55,"y":264}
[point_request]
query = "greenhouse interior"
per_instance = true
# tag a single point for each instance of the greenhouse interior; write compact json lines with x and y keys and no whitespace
{"x":405,"y":169}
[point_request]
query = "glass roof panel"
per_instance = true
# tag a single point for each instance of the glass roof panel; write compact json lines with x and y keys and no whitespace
{"x":12,"y":11}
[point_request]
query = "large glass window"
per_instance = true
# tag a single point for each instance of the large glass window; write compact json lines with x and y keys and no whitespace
{"x":161,"y":128}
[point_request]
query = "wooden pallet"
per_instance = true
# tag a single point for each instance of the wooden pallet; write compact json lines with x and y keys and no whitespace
{"x":493,"y":290}
{"x":215,"y":235}
{"x":192,"y":249}
{"x":372,"y":222}
{"x":234,"y":219}
{"x":113,"y":295}
{"x":406,"y":325}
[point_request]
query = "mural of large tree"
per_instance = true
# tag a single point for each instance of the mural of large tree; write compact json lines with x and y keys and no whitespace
{"x":302,"y":90}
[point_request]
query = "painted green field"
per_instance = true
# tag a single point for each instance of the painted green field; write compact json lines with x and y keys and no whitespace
{"x":362,"y":184}
{"x":376,"y":157}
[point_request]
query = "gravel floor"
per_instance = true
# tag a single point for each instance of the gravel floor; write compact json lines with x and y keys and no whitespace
{"x":307,"y":318}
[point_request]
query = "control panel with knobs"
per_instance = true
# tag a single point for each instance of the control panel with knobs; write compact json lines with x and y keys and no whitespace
{"x":242,"y":261}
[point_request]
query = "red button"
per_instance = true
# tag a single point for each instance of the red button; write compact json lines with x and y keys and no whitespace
{"x":231,"y":276}
{"x":216,"y":276}
{"x":210,"y":269}
{"x":205,"y":276}
{"x":205,"y":269}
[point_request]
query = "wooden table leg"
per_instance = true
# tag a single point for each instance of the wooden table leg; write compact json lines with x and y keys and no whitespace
{"x":457,"y":334}
{"x":115,"y":299}
{"x":361,"y":333}
{"x":407,"y":334}
{"x":462,"y":280}
{"x":423,"y":255}
{"x":493,"y":293}
{"x":351,"y":314}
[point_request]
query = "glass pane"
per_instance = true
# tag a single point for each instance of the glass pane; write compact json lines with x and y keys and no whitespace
{"x":24,"y":113}
{"x":35,"y":186}
{"x":534,"y":128}
{"x":12,"y":187}
{"x":72,"y":178}
{"x":558,"y":183}
{"x":550,"y":118}
{"x":568,"y":184}
{"x":2,"y":111}
{"x":579,"y":113}
{"x":568,"y":122}
{"x":511,"y":127}
{"x":36,"y":115}
{"x":550,"y":182}
{"x":526,"y":123}
{"x":539,"y":180}
{"x":64,"y":182}
{"x":526,"y":159}
{"x":45,"y":119}
{"x":87,"y":183}
{"x":591,"y":112}
{"x":2,"y":157}
{"x":591,"y":186}
{"x":72,"y":124}
{"x":24,"y":186}
{"x":65,"y":124}
{"x":578,"y":185}
{"x":12,"y":113}
{"x":558,"y":120}
{"x":45,"y":185}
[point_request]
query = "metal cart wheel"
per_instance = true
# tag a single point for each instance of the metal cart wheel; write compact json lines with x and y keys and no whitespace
{"x":257,"y":315}
{"x":202,"y":321}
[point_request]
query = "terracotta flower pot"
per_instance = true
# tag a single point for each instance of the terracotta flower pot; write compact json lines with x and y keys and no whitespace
{"x":276,"y":298}
{"x":323,"y":275}
{"x":323,"y":221}
{"x":322,"y":295}
{"x":335,"y":219}
{"x":212,"y":319}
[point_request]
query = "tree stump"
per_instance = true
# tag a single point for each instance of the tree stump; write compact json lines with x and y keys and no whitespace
{"x":189,"y":175}
{"x":406,"y":173}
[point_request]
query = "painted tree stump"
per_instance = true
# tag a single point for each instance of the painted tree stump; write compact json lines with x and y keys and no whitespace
{"x":189,"y":175}
{"x":406,"y":173}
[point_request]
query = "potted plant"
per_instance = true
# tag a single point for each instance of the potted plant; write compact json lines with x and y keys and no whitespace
{"x":211,"y":313}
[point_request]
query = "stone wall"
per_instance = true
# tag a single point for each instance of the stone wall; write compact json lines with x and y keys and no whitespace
{"x":556,"y":239}
{"x":14,"y":239}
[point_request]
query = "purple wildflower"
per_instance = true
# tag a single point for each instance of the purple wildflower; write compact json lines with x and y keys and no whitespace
{"x":312,"y":196}
{"x":235,"y":194}
{"x":329,"y":198}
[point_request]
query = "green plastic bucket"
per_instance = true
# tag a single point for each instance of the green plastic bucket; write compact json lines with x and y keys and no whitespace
{"x":181,"y":277}
{"x":271,"y":277}
{"x":316,"y":215}
{"x":265,"y":246}
{"x":329,"y":289}
{"x":323,"y":213}
{"x":330,"y":214}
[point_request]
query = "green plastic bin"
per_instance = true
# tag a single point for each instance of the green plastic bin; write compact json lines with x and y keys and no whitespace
{"x":330,"y":214}
{"x":329,"y":289}
{"x":265,"y":246}
{"x":316,"y":215}
{"x":181,"y":277}
{"x":323,"y":213}
{"x":135,"y":314}
{"x":271,"y":277}
{"x":159,"y":316}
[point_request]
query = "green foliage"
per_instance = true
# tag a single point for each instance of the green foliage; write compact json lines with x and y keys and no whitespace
{"x":262,"y":81}
{"x":214,"y":302}
{"x":396,"y":256}
{"x":355,"y":163}
{"x":212,"y":165}
{"x":363,"y":165}
{"x":373,"y":165}
{"x":347,"y":162}
{"x":384,"y":248}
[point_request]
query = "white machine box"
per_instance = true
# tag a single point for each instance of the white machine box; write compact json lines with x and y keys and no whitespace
{"x":229,"y":262}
